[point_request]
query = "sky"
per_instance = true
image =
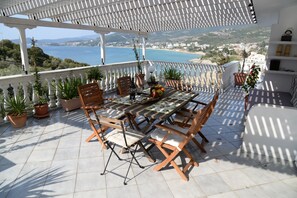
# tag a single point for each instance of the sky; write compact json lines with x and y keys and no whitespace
{"x":42,"y":33}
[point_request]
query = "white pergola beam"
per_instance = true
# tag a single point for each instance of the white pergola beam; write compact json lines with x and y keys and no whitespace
{"x":16,"y":22}
{"x":135,"y":15}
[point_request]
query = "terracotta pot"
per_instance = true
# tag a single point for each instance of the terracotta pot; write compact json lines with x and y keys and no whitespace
{"x":239,"y":79}
{"x":18,"y":121}
{"x":176,"y":84}
{"x":41,"y":110}
{"x":72,"y":104}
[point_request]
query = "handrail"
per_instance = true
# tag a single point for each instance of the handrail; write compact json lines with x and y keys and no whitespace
{"x":200,"y":77}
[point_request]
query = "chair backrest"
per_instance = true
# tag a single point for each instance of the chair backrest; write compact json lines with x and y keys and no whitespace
{"x":124,"y":85}
{"x":90,"y":94}
{"x":203,"y":115}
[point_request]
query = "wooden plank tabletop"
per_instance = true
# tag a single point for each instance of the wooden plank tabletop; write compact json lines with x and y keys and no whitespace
{"x":171,"y":102}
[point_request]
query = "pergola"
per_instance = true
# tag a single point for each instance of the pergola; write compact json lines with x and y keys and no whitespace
{"x":131,"y":16}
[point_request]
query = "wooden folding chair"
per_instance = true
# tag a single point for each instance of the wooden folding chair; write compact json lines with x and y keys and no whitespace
{"x":122,"y":136}
{"x":91,"y":97}
{"x":184,"y":118}
{"x":124,"y":85}
{"x":171,"y":141}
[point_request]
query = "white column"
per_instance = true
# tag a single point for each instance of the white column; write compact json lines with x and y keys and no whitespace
{"x":144,"y":48}
{"x":23,"y":47}
{"x":102,"y":45}
{"x":23,"y":44}
{"x":102,"y":48}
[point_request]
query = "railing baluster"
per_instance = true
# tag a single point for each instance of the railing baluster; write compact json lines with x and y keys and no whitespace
{"x":51,"y":95}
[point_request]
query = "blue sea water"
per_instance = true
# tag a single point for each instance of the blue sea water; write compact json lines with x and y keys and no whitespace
{"x":91,"y":55}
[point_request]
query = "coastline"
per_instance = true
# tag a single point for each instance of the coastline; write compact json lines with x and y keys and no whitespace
{"x":172,"y":50}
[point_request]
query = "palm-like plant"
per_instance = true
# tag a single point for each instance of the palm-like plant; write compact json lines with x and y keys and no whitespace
{"x":16,"y":106}
{"x":95,"y":74}
{"x":171,"y":73}
{"x":68,"y":88}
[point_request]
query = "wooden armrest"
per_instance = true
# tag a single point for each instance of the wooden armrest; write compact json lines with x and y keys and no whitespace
{"x":93,"y":107}
{"x":169,"y":129}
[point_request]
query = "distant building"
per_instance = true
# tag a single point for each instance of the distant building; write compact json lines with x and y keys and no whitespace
{"x":258,"y":59}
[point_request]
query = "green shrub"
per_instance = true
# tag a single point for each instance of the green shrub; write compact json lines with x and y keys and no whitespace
{"x":68,"y":88}
{"x":94,"y":74}
{"x":172,"y":74}
{"x":15,"y":105}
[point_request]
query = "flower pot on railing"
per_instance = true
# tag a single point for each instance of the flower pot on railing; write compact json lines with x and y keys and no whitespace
{"x":71,"y":104}
{"x":239,"y":79}
{"x":69,"y":94}
{"x":176,"y":84}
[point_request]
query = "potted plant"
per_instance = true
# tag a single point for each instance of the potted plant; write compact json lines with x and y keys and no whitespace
{"x":16,"y":111}
{"x":2,"y":110}
{"x":139,"y":76}
{"x":69,"y":94}
{"x":172,"y":77}
{"x":94,"y":74}
{"x":239,"y":77}
{"x":250,"y":82}
{"x":41,"y":105}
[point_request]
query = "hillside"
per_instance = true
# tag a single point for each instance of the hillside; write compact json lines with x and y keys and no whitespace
{"x":213,"y":36}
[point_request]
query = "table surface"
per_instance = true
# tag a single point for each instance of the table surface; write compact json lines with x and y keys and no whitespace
{"x":171,"y":102}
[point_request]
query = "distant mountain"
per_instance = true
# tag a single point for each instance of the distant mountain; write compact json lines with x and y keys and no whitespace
{"x":212,"y":36}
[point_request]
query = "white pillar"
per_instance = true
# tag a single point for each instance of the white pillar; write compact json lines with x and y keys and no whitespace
{"x":23,"y":47}
{"x":144,"y":48}
{"x":102,"y":47}
{"x":23,"y":44}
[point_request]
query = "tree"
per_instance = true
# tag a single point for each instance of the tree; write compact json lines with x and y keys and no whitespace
{"x":37,"y":56}
{"x":33,"y":42}
{"x":244,"y":55}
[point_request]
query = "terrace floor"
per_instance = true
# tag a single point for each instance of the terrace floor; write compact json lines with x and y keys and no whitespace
{"x":50,"y":158}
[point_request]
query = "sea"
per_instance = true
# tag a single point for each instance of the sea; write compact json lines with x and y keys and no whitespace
{"x":91,"y":55}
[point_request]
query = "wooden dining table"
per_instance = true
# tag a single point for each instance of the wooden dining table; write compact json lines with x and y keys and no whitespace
{"x":151,"y":109}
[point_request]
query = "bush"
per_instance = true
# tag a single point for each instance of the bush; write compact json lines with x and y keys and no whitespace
{"x":94,"y":74}
{"x":172,"y":74}
{"x":68,"y":88}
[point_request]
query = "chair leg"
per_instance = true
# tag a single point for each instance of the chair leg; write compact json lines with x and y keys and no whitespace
{"x":203,"y":137}
{"x":96,"y":134}
{"x":132,"y":157}
{"x":188,"y":154}
{"x":112,"y":150}
{"x":169,"y":159}
{"x":199,"y":145}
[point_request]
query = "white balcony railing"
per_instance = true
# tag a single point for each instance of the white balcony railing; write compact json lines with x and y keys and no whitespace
{"x":200,"y":77}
